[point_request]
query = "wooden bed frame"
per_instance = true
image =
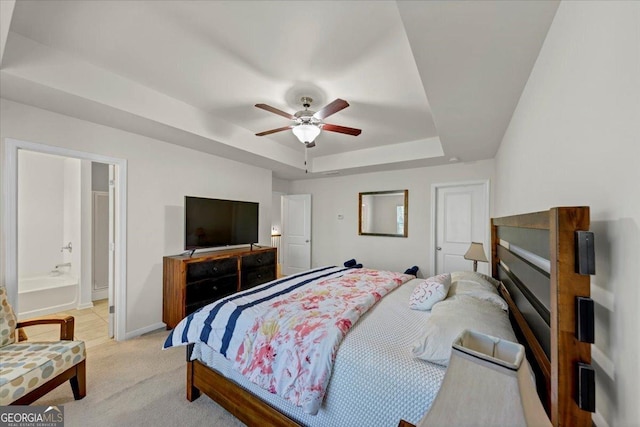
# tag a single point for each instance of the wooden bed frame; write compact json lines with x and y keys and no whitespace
{"x":543,"y":311}
{"x":553,"y":354}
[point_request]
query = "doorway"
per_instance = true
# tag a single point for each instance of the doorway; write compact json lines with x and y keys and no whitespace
{"x":118,"y":245}
{"x":459,"y":216}
{"x":296,"y":233}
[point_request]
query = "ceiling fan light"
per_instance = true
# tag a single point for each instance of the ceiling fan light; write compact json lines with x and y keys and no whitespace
{"x":306,"y":132}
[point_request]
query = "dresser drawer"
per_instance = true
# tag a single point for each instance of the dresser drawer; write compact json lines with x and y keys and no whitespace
{"x":209,"y":290}
{"x":259,"y":259}
{"x":204,"y":270}
{"x":256,"y":276}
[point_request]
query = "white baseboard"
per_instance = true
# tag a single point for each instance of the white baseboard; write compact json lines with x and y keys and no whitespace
{"x":85,"y":305}
{"x":141,"y":331}
{"x":101,"y":294}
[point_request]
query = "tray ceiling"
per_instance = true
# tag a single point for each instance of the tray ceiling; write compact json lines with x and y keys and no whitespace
{"x":426,"y":81}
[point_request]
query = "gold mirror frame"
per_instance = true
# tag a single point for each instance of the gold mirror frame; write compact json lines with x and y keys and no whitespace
{"x":378,"y":231}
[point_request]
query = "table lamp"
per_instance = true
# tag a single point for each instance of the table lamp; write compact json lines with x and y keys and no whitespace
{"x":475,"y":253}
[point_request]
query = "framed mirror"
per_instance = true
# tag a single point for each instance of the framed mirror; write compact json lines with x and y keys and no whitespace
{"x":383,"y":213}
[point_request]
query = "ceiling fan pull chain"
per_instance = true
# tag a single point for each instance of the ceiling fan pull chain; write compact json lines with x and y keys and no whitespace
{"x":306,"y":156}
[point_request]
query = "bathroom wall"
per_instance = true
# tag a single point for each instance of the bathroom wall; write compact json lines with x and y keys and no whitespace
{"x":71,"y":216}
{"x":40,"y":213}
{"x":48,"y":213}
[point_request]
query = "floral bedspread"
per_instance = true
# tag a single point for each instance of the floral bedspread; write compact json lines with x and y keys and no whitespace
{"x":283,"y":336}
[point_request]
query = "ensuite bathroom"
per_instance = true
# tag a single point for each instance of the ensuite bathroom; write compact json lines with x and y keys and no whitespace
{"x":63,"y":242}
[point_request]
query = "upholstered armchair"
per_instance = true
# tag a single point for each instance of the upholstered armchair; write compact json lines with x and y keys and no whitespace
{"x":30,"y":369}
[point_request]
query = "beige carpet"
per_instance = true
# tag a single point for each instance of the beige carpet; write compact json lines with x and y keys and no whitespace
{"x":136,"y":383}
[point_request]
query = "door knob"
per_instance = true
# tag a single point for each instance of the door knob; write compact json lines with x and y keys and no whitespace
{"x":439,"y":248}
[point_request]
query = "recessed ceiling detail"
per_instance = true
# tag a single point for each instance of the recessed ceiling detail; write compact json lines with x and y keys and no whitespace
{"x":426,"y":81}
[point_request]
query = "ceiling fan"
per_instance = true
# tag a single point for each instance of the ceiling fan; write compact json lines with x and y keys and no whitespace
{"x":307,"y":124}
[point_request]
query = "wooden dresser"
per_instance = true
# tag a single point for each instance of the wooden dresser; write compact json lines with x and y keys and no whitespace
{"x":193,"y":282}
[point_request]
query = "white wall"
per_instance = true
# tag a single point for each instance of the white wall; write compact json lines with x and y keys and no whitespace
{"x":574,"y":139}
{"x":40,"y":212}
{"x":159,"y":176}
{"x":336,"y":240}
{"x":281,"y":185}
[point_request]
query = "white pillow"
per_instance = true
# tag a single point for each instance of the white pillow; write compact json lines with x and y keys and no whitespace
{"x":474,"y":276}
{"x":452,"y":316}
{"x":477,"y":286}
{"x":430,"y":291}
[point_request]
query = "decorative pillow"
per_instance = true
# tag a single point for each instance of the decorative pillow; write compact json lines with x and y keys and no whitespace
{"x":449,"y":318}
{"x":7,"y":320}
{"x":477,"y":286}
{"x":432,"y":290}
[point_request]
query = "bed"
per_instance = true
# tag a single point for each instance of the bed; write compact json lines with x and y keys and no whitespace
{"x":378,"y":345}
{"x":381,"y":334}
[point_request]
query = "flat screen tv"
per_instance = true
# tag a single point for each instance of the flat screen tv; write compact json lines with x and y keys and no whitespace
{"x":215,"y":222}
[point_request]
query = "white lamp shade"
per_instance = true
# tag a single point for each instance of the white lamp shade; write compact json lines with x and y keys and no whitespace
{"x":476,"y":252}
{"x":488,"y":383}
{"x":306,"y":133}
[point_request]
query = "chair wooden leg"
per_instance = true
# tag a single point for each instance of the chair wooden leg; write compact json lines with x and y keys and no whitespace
{"x":79,"y":381}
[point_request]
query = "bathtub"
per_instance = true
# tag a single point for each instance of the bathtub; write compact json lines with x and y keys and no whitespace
{"x":46,"y":294}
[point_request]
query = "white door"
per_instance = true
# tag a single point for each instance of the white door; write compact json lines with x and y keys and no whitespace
{"x":100,"y":252}
{"x":461,"y":217}
{"x":112,"y":247}
{"x":296,"y":233}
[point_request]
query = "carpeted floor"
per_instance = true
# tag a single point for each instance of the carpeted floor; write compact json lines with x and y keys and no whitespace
{"x":136,"y":383}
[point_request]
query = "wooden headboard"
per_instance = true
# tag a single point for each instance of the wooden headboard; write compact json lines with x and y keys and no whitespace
{"x":534,"y":255}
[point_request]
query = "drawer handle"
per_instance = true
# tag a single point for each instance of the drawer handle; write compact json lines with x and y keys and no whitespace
{"x":215,"y":288}
{"x":259,"y":260}
{"x":259,"y":276}
{"x":215,"y":269}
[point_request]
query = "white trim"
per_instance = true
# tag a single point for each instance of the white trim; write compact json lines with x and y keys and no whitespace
{"x":100,"y":295}
{"x":84,"y":295}
{"x":84,"y":306}
{"x":10,"y":204}
{"x":487,"y":238}
{"x":146,"y":329}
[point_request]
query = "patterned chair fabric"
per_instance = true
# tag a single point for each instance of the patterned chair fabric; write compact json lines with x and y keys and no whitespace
{"x":25,"y":366}
{"x":7,"y":320}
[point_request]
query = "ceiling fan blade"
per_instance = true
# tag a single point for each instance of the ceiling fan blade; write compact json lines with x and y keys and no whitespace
{"x":334,"y":107}
{"x":276,"y":111}
{"x":269,"y":132}
{"x":342,"y":129}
